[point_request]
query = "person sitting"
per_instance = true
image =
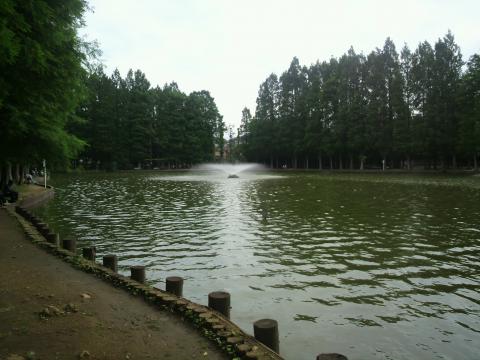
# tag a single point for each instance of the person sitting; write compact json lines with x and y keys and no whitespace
{"x":8,"y":192}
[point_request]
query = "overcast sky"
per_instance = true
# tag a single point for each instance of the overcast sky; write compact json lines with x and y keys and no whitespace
{"x":229,"y":47}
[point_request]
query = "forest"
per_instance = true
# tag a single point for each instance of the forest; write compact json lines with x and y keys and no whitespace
{"x":57,"y":104}
{"x":415,"y":109}
{"x":42,"y":66}
{"x":128,"y":124}
{"x":403,"y":110}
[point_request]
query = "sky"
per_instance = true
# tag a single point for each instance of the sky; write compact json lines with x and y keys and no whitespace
{"x":230,"y":47}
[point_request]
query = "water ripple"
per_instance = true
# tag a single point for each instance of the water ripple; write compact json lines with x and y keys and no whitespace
{"x":385,"y":265}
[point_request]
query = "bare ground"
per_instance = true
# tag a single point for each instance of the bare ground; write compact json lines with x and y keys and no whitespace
{"x":49,"y":310}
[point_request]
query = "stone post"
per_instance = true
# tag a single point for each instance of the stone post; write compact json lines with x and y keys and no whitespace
{"x":266,"y":331}
{"x":220,"y":301}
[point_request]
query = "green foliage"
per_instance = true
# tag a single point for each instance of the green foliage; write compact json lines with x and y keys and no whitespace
{"x":41,"y":77}
{"x":128,"y":123}
{"x":383,"y":108}
{"x":469,"y":100}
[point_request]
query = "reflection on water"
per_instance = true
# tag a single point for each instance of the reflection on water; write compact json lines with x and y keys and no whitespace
{"x":371,"y":266}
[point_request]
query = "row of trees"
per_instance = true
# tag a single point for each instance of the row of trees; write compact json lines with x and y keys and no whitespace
{"x":128,"y":123}
{"x":55,"y":104}
{"x":41,"y":82}
{"x":359,"y":111}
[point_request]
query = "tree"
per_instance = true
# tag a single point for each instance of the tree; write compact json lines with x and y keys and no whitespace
{"x":292,"y":112}
{"x":315,"y":127}
{"x":130,"y":124}
{"x":447,"y":67}
{"x":98,"y":110}
{"x":386,"y":104}
{"x":352,"y":126}
{"x":41,"y":77}
{"x":416,"y":107}
{"x":202,"y":120}
{"x":264,"y":142}
{"x":139,"y":115}
{"x":423,"y":121}
{"x":403,"y":130}
{"x":243,"y":135}
{"x":469,"y":133}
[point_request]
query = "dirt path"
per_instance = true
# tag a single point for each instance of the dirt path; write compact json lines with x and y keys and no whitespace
{"x":49,"y":310}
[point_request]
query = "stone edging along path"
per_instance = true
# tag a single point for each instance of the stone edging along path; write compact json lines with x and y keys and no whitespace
{"x":213,"y":325}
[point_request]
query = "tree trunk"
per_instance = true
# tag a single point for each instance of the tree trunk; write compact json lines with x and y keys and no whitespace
{"x":454,"y":161}
{"x":351,"y":162}
{"x":8,"y":175}
{"x":340,"y":163}
{"x":331,"y":163}
{"x":475,"y":163}
{"x":361,"y":163}
{"x":271,"y":162}
{"x":17,"y":174}
{"x":306,"y":163}
{"x":409,"y":163}
{"x":22,"y":174}
{"x":320,"y":161}
{"x":384,"y":163}
{"x":295,"y":162}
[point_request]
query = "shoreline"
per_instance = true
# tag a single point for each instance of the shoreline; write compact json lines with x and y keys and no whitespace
{"x":210,"y":324}
{"x":299,"y":170}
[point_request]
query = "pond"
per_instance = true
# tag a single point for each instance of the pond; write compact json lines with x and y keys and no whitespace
{"x":373,"y":266}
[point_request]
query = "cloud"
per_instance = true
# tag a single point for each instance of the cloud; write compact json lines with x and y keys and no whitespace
{"x":229,"y":47}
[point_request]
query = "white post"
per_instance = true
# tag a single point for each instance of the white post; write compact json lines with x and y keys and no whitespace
{"x":45,"y":173}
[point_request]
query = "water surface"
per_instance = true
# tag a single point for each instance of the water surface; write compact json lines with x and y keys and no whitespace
{"x":373,"y":266}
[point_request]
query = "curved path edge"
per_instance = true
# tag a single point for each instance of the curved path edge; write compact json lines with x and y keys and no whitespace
{"x":211,"y":324}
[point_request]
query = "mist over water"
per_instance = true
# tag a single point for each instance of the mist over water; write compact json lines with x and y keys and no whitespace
{"x":231,"y":168}
{"x":371,"y":266}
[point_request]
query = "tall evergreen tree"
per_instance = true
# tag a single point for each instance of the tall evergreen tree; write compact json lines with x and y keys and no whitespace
{"x":447,"y":67}
{"x":291,"y":116}
{"x":403,"y":130}
{"x":243,"y":135}
{"x":41,"y":77}
{"x":315,"y":124}
{"x":469,"y":127}
{"x":422,"y":85}
{"x":380,"y":109}
{"x":266,"y":123}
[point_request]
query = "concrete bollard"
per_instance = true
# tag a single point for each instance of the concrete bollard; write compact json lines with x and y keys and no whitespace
{"x":35,"y":221}
{"x":39,"y":223}
{"x":53,"y":238}
{"x":266,"y":331}
{"x":174,"y":285}
{"x":111,"y":262}
{"x":89,"y":253}
{"x":331,"y":356}
{"x":137,"y":273}
{"x":70,"y":245}
{"x":43,"y":229}
{"x":220,"y":301}
{"x":28,"y":215}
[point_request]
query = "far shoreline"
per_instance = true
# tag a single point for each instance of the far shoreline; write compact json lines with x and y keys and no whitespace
{"x":298,"y":170}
